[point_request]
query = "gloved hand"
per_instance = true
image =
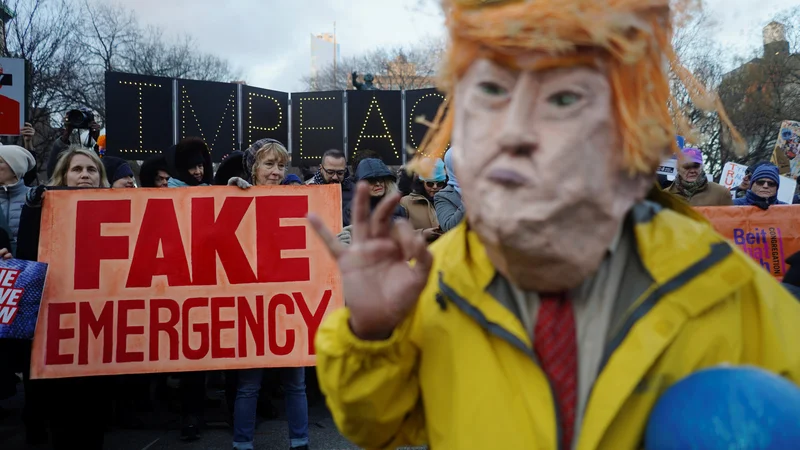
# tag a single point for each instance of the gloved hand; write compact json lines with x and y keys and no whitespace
{"x":345,"y":236}
{"x":240,"y":182}
{"x":35,"y":196}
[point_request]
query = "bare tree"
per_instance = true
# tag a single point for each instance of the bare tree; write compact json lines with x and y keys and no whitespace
{"x":765,"y":91}
{"x":393,"y":68}
{"x":41,"y":33}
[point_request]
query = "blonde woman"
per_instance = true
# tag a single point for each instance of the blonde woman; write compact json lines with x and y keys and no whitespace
{"x":77,"y":167}
{"x":264,"y":164}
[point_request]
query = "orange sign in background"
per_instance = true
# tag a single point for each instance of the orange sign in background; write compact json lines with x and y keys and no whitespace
{"x":170,"y":280}
{"x":769,"y":237}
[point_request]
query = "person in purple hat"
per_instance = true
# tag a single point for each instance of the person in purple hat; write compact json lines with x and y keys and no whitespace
{"x":692,"y":185}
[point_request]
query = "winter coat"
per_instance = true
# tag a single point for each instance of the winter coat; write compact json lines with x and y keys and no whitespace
{"x":712,"y":195}
{"x":421,"y":213}
{"x":449,"y":208}
{"x":12,"y":199}
{"x":460,"y":371}
{"x":751,"y":199}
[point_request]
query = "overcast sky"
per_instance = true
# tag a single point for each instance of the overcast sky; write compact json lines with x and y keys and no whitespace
{"x":269,"y":39}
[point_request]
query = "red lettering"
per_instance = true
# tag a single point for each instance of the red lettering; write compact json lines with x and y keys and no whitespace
{"x":202,"y":328}
{"x":255,"y":324}
{"x":159,"y":226}
{"x":286,"y":301}
{"x":217,"y":325}
{"x":212,"y":237}
{"x":312,"y":320}
{"x":56,"y":334}
{"x":91,"y":246}
{"x":272,"y":238}
{"x":104,"y":323}
{"x":124,"y":330}
{"x":169,"y":327}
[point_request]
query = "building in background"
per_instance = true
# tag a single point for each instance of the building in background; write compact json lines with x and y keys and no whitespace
{"x":324,"y":51}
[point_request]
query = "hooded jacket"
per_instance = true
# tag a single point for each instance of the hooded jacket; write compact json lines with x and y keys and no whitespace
{"x":12,"y":199}
{"x":751,"y":199}
{"x":372,"y":168}
{"x":149,"y":170}
{"x":230,"y":167}
{"x":178,"y":162}
{"x":460,"y":371}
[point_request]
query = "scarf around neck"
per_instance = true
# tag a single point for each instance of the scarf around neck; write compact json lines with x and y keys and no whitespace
{"x":688,"y":189}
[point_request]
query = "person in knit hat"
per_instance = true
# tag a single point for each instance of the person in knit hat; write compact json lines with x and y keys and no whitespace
{"x":692,"y":184}
{"x":15,"y":162}
{"x":419,"y":203}
{"x":763,"y":191}
{"x":263,"y":163}
{"x":575,"y":292}
{"x":292,"y":180}
{"x":118,"y":172}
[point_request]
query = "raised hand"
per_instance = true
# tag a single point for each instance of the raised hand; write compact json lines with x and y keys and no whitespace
{"x":380,"y":286}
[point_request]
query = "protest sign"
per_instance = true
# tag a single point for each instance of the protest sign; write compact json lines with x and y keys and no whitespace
{"x":787,"y":149}
{"x":21,"y":285}
{"x":786,"y":190}
{"x":669,"y":168}
{"x":170,"y":280}
{"x":769,"y":237}
{"x":12,"y":96}
{"x":732,"y":175}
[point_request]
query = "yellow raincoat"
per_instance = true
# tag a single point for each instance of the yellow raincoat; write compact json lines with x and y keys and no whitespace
{"x":459,"y":373}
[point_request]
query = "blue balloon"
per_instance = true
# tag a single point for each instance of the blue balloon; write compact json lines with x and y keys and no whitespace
{"x":727,"y":408}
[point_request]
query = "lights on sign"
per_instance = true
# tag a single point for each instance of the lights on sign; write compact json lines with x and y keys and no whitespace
{"x":250,"y":114}
{"x":186,"y":102}
{"x":300,"y":127}
{"x":412,"y":117}
{"x":140,"y":85}
{"x":361,"y":135}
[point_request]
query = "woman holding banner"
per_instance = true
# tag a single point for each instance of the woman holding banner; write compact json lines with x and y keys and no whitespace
{"x":76,"y":408}
{"x":264,"y":164}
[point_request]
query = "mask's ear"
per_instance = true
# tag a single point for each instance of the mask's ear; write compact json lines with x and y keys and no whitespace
{"x":674,"y":203}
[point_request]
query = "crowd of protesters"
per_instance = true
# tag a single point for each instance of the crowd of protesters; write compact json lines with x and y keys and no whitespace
{"x":430,"y":202}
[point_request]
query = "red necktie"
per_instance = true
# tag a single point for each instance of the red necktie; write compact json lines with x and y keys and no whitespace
{"x":556,"y":346}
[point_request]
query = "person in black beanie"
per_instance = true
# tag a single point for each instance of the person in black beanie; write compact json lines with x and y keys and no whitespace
{"x":118,"y":172}
{"x":230,"y":167}
{"x":154,"y":172}
{"x":189,"y":163}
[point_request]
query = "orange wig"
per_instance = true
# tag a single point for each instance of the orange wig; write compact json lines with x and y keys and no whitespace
{"x":631,"y":37}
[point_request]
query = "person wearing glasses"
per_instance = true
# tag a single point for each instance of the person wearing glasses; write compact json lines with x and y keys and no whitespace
{"x":333,"y":170}
{"x":419,"y":204}
{"x":763,"y":191}
{"x":692,"y":185}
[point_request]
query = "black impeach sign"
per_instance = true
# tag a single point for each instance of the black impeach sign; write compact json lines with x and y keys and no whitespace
{"x":374,"y":123}
{"x":317,"y":125}
{"x":264,"y":115}
{"x":420,"y":103}
{"x":209,"y":110}
{"x":138,"y":115}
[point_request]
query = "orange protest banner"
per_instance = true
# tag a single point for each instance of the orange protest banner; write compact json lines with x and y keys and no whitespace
{"x":769,"y":237}
{"x":170,"y":280}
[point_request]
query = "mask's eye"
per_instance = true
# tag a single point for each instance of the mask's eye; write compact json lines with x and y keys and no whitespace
{"x":564,"y":99}
{"x":489,"y":88}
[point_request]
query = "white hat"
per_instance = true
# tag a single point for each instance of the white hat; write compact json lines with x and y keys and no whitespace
{"x":20,"y":160}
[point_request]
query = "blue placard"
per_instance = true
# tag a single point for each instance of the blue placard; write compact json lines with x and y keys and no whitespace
{"x":21,"y":287}
{"x":681,"y":142}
